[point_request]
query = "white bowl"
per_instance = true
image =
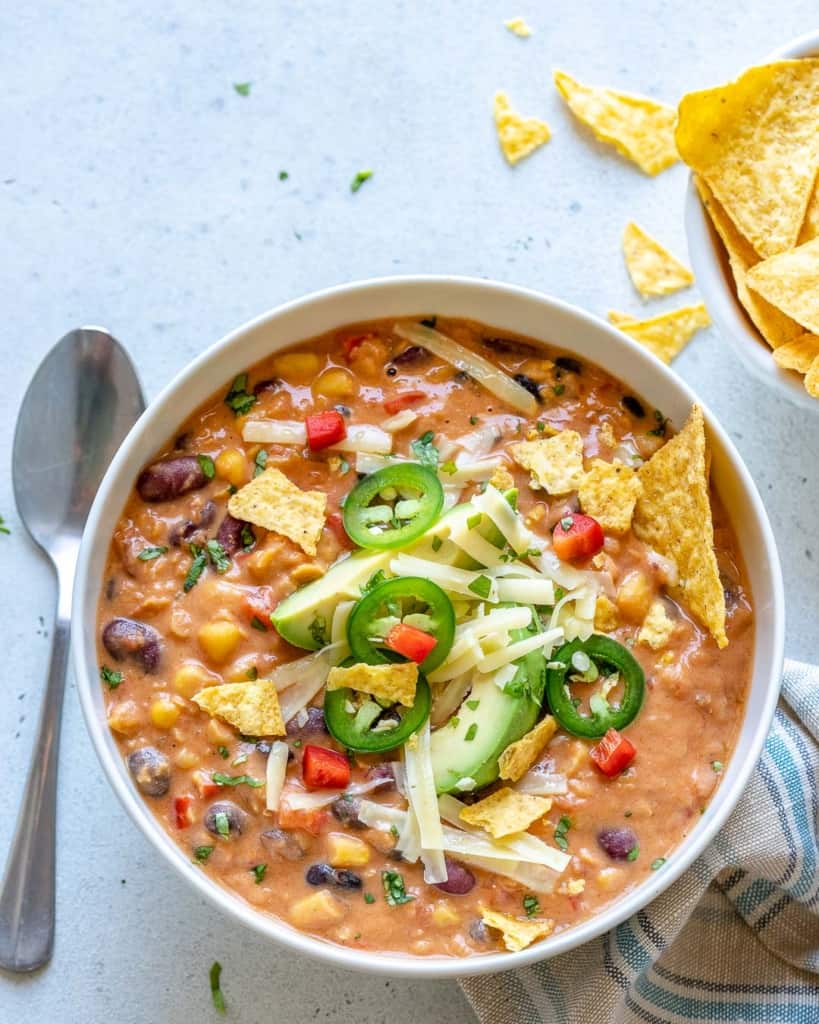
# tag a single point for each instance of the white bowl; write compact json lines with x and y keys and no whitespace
{"x":507,"y":308}
{"x":716,"y":282}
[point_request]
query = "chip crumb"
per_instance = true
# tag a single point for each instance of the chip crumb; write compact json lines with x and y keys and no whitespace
{"x":518,"y":933}
{"x":518,"y":757}
{"x":652,"y":268}
{"x":518,"y":27}
{"x":505,"y":812}
{"x":608,"y":492}
{"x":572,"y":887}
{"x":555,"y":463}
{"x":395,"y":681}
{"x":251,"y":707}
{"x":665,"y":335}
{"x":606,"y":615}
{"x":605,"y":434}
{"x":273,"y":502}
{"x":502,"y":479}
{"x":518,"y":136}
{"x":657,"y":627}
{"x":666,"y":659}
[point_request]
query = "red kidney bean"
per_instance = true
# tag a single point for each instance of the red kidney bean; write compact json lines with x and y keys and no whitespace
{"x":151,"y":771}
{"x":229,"y":534}
{"x":269,"y":384}
{"x":345,"y":810}
{"x":459,"y":881}
{"x":617,"y":842}
{"x":413,"y":354}
{"x":127,"y":639}
{"x":170,"y":478}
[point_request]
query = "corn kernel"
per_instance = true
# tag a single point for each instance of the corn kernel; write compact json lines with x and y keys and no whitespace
{"x":261,"y":563}
{"x":335,"y":383}
{"x":124,"y":718}
{"x":346,"y":851}
{"x":181,"y":622}
{"x":444,"y":914}
{"x":306,"y":573}
{"x":164,"y":713}
{"x":190,"y":678}
{"x":219,"y":639}
{"x":297,"y":367}
{"x":187,"y":760}
{"x":231,"y":465}
{"x":218,"y":733}
{"x":634,"y":596}
{"x":609,"y":879}
{"x":317,"y":911}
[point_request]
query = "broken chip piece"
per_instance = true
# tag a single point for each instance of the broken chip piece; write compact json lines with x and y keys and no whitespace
{"x":252,"y":707}
{"x":518,"y":136}
{"x":395,"y":682}
{"x":652,"y":268}
{"x":518,"y":933}
{"x":665,"y":335}
{"x":273,"y":502}
{"x":608,"y":493}
{"x":519,"y":756}
{"x":505,"y":812}
{"x":556,"y":463}
{"x":657,"y":627}
{"x":518,"y":27}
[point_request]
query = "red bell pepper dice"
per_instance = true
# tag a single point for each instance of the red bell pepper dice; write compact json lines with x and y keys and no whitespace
{"x":404,"y":401}
{"x":577,"y":536}
{"x":324,"y":769}
{"x":324,"y":429}
{"x":613,"y":753}
{"x":413,"y":643}
{"x":183,"y":809}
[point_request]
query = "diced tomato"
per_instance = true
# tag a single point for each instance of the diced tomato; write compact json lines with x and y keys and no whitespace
{"x":310,"y":821}
{"x":613,"y":753}
{"x":577,"y":536}
{"x":183,"y":809}
{"x":350,"y":344}
{"x":403,"y":401}
{"x":324,"y":769}
{"x":413,"y":643}
{"x":324,"y":429}
{"x":335,"y":523}
{"x":259,"y":603}
{"x":205,"y":784}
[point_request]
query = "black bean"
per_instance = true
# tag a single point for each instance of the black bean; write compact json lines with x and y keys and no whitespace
{"x":413,"y":354}
{"x":134,"y":641}
{"x":345,"y":411}
{"x":430,"y":322}
{"x":281,"y":845}
{"x":191,"y":531}
{"x":348,"y":879}
{"x":569,"y":363}
{"x":510,"y":346}
{"x":151,"y":771}
{"x":235,"y":816}
{"x":345,"y":810}
{"x":478,"y":931}
{"x":171,"y":478}
{"x":383,"y":772}
{"x":634,"y":406}
{"x":230,"y":532}
{"x":530,"y":385}
{"x":323,"y":874}
{"x":311,"y":723}
{"x":617,"y":842}
{"x":110,"y":588}
{"x":269,"y":384}
{"x":459,"y":881}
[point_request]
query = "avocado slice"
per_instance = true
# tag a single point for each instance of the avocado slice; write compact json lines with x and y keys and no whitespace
{"x":495,"y":719}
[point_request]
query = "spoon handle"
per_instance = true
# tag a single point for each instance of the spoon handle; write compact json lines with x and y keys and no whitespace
{"x":28,"y":888}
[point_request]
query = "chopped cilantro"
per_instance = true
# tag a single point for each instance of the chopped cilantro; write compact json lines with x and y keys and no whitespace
{"x":369,"y":898}
{"x":108,"y":675}
{"x":633,"y":853}
{"x":454,"y":722}
{"x":283,"y":175}
{"x":540,"y":426}
{"x":472,"y":704}
{"x":474,"y":421}
{"x":252,"y":674}
{"x":561,"y":831}
{"x":558,"y":389}
{"x":242,"y":88}
{"x":448,"y":467}
{"x":215,"y":989}
{"x":3,"y":527}
{"x":236,"y":780}
{"x":436,"y":543}
{"x":257,"y":623}
{"x":359,"y":180}
{"x":218,"y":555}
{"x":481,"y":586}
{"x":259,"y":463}
{"x":149,"y":554}
{"x":238,"y":398}
{"x":247,"y":538}
{"x":662,"y":425}
{"x":296,"y":743}
{"x":657,"y":864}
{"x":424,"y":450}
{"x":393,"y":831}
{"x":717,"y":766}
{"x":201,"y":853}
{"x":220,"y":820}
{"x":343,"y":466}
{"x":223,"y":752}
{"x":206,"y":465}
{"x":394,"y":891}
{"x":531,"y":905}
{"x":377,"y":577}
{"x":197,"y":567}
{"x":471,"y":732}
{"x":259,"y":871}
{"x":474,"y":520}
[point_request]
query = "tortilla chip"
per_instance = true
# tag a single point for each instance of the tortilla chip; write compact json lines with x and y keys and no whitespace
{"x":556,"y":463}
{"x":810,"y":225}
{"x":657,"y":627}
{"x":790,"y":281}
{"x":639,"y":128}
{"x":506,"y":812}
{"x":606,"y":615}
{"x":772,"y":324}
{"x":798,"y":354}
{"x":673,"y":516}
{"x":518,"y":932}
{"x":518,"y":136}
{"x":519,"y":27}
{"x":608,"y":492}
{"x":756,"y":143}
{"x":252,"y":708}
{"x":394,"y":682}
{"x":652,"y":268}
{"x":665,"y":335}
{"x":812,"y":379}
{"x":275,"y":503}
{"x":519,"y":757}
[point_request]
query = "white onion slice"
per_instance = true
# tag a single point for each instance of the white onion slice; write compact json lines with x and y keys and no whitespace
{"x":542,"y":783}
{"x":302,"y":679}
{"x":276,"y":772}
{"x":486,"y":373}
{"x":274,"y":432}
{"x":450,"y":699}
{"x":400,"y":421}
{"x":362,"y":437}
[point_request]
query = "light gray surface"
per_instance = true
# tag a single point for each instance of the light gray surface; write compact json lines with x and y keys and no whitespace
{"x":138,"y":190}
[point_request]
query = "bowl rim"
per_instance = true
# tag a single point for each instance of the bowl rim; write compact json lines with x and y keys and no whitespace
{"x":708,"y":264}
{"x":395,"y":964}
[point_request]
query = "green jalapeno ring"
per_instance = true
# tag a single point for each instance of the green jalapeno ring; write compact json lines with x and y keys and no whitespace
{"x":390,"y":593}
{"x":380,"y":526}
{"x":601,"y":650}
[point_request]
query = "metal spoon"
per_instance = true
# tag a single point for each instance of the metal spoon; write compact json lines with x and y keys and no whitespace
{"x":82,"y":401}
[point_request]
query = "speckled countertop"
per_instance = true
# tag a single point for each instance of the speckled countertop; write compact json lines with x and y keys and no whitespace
{"x":140,"y":191}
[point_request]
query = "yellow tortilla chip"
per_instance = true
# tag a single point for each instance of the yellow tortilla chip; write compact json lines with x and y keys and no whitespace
{"x":756,"y":143}
{"x":392,"y":682}
{"x":772,"y":324}
{"x":518,"y":932}
{"x":252,"y":708}
{"x":790,"y":281}
{"x":812,"y":379}
{"x":275,"y":503}
{"x":657,"y":627}
{"x":608,"y":492}
{"x":506,"y":812}
{"x":518,"y":136}
{"x":606,"y":615}
{"x":673,"y":516}
{"x":556,"y":463}
{"x":639,"y":128}
{"x":652,"y":268}
{"x":665,"y":335}
{"x":798,"y":354}
{"x":519,"y":756}
{"x":519,"y":27}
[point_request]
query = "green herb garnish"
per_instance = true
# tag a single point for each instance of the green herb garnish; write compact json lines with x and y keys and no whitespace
{"x":220,"y":820}
{"x":108,"y":675}
{"x":448,"y":467}
{"x":260,"y":463}
{"x":238,"y":398}
{"x":215,"y":989}
{"x":359,"y":180}
{"x":662,"y":425}
{"x":561,"y":831}
{"x":481,"y":586}
{"x":223,"y":752}
{"x":436,"y":543}
{"x":474,"y":520}
{"x":558,"y":389}
{"x":472,"y":704}
{"x":633,"y":853}
{"x":201,"y":853}
{"x":377,"y":577}
{"x":471,"y":732}
{"x":247,"y":538}
{"x":531,"y":905}
{"x":717,"y":766}
{"x":454,"y":722}
{"x":218,"y":555}
{"x":394,"y":831}
{"x":242,"y":88}
{"x":257,"y":623}
{"x":206,"y":465}
{"x":197,"y":567}
{"x":424,"y":450}
{"x":3,"y":527}
{"x":369,"y":898}
{"x":149,"y":554}
{"x":474,"y":421}
{"x":236,"y":780}
{"x":259,"y":871}
{"x":394,"y":891}
{"x":657,"y":864}
{"x":252,"y":674}
{"x":283,"y":175}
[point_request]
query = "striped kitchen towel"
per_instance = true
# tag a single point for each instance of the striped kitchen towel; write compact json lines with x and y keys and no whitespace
{"x":735,"y":939}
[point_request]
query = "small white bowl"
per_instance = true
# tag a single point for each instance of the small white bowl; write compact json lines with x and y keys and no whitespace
{"x":506,"y":308}
{"x":716,"y":282}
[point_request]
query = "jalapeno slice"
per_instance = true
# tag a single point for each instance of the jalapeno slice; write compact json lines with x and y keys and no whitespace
{"x":579,"y":656}
{"x":366,"y":725}
{"x":410,"y":600}
{"x":393,"y":506}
